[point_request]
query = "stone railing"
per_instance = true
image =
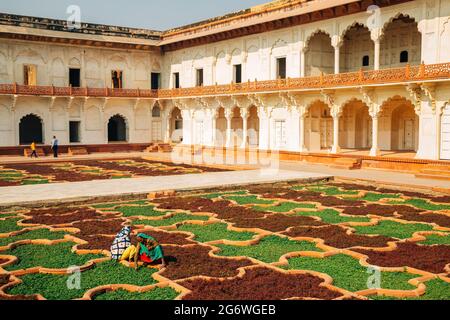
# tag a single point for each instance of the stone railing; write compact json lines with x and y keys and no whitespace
{"x":397,"y":75}
{"x":76,"y":92}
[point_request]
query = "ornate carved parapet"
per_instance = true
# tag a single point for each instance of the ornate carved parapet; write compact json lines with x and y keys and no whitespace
{"x":420,"y":74}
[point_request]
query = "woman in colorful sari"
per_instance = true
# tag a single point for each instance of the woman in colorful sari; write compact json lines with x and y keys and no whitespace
{"x":147,"y":250}
{"x":121,"y":243}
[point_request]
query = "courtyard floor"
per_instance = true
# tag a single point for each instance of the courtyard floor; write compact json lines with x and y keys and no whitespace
{"x":323,"y":240}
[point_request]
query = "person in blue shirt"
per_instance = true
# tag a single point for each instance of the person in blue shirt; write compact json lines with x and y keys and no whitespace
{"x":55,"y":147}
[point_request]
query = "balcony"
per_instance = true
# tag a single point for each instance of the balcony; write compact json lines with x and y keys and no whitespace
{"x":407,"y":74}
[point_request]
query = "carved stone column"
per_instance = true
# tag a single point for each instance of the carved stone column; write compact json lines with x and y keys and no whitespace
{"x":336,"y":114}
{"x":302,"y":116}
{"x":229,"y":117}
{"x":336,"y":43}
{"x":244,"y":115}
{"x":214,"y":116}
{"x":376,"y":38}
{"x":374,"y":113}
{"x":302,"y":60}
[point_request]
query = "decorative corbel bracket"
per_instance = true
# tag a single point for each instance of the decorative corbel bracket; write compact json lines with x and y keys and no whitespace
{"x":369,"y":98}
{"x":136,"y":104}
{"x":415,"y":93}
{"x":14,"y":100}
{"x":104,"y":104}
{"x":70,"y":101}
{"x":429,"y":90}
{"x":51,"y":106}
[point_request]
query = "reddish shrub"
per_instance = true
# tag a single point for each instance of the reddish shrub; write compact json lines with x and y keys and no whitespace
{"x":429,"y":258}
{"x":276,"y":222}
{"x":184,"y":262}
{"x":62,"y":217}
{"x":99,"y":227}
{"x":271,"y":285}
{"x":337,"y":237}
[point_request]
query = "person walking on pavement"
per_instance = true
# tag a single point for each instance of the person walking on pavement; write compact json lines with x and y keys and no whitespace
{"x":55,"y":147}
{"x":33,"y":150}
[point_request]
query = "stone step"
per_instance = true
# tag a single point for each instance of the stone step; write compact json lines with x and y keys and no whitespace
{"x":439,"y":172}
{"x":164,"y":147}
{"x":152,"y":148}
{"x":346,"y":163}
{"x":77,"y":151}
{"x":159,"y":147}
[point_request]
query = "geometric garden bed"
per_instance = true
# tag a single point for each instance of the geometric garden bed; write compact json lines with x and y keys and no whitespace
{"x":87,"y":170}
{"x":321,"y":241}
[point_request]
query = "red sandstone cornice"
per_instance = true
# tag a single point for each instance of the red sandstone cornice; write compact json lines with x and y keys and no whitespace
{"x":288,"y":15}
{"x":406,"y":75}
{"x":243,"y":23}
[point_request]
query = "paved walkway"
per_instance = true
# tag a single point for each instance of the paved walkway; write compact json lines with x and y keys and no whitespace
{"x":380,"y":176}
{"x":100,"y":188}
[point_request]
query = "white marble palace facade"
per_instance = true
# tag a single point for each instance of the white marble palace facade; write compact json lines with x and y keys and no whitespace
{"x":301,"y":76}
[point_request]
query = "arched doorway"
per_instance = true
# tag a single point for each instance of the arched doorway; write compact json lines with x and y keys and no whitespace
{"x":237,"y":125}
{"x":398,"y":125}
{"x":117,"y":129}
{"x":176,"y":125}
{"x":356,"y":126}
{"x":319,"y":55}
{"x":357,"y":50}
{"x":156,"y":124}
{"x":253,"y":127}
{"x":30,"y":129}
{"x":318,"y":127}
{"x":221,"y":128}
{"x":403,"y":128}
{"x":401,"y":43}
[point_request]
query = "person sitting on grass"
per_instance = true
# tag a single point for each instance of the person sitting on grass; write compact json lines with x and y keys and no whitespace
{"x":147,"y":250}
{"x":121,"y":242}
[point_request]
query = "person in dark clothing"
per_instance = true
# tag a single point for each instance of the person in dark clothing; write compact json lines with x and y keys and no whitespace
{"x":55,"y":147}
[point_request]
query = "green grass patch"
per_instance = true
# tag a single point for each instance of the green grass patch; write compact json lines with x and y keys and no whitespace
{"x":155,"y":294}
{"x":252,"y":199}
{"x":33,"y":235}
{"x":4,"y":175}
{"x":220,"y":194}
{"x":393,"y":229}
{"x":9,"y":225}
{"x":147,"y":211}
{"x":54,"y":287}
{"x":436,"y":239}
{"x":286,"y":207}
{"x":437,"y":289}
{"x":423,"y":204}
{"x":57,"y":256}
{"x":214,"y":232}
{"x":269,"y":249}
{"x":332,"y":216}
{"x":121,"y":177}
{"x":180,"y":217}
{"x":116,"y":204}
{"x":375,"y":197}
{"x":331,"y":191}
{"x":33,"y":181}
{"x":348,"y":274}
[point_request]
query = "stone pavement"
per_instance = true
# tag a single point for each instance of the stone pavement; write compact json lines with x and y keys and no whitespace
{"x":82,"y":190}
{"x":380,"y":176}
